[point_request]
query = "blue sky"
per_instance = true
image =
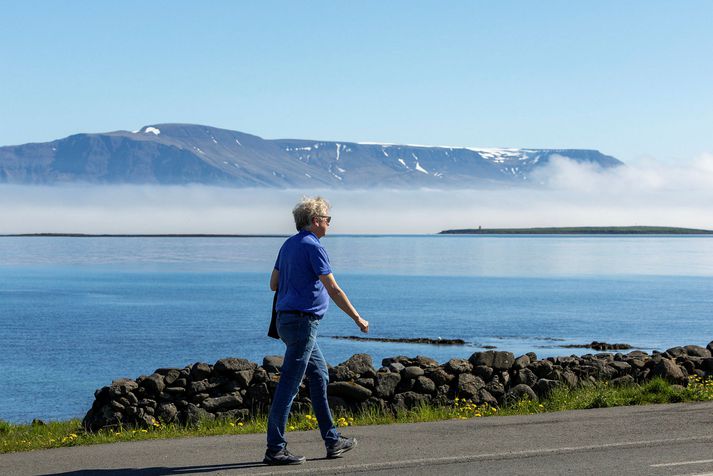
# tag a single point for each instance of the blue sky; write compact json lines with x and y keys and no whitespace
{"x":633,"y":79}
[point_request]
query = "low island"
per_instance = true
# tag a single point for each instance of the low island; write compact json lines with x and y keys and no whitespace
{"x":581,"y":230}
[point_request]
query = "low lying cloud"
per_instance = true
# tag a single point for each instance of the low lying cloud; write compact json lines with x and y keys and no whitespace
{"x":647,"y":193}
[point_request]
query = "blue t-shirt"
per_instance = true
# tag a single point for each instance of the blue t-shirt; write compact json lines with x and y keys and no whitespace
{"x":301,"y":261}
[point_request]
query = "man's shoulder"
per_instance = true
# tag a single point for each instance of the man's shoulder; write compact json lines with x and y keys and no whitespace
{"x":303,"y":240}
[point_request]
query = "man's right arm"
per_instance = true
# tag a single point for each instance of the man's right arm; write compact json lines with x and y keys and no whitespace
{"x":340,"y":299}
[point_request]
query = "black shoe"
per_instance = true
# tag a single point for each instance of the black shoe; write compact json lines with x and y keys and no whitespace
{"x":341,"y":447}
{"x":282,"y":457}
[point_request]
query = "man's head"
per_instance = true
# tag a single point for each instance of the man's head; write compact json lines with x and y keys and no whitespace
{"x":312,"y":214}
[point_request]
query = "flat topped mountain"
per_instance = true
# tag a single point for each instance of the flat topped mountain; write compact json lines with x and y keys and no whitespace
{"x":186,"y":153}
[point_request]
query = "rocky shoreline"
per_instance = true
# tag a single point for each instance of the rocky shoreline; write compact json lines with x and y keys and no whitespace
{"x":236,"y":389}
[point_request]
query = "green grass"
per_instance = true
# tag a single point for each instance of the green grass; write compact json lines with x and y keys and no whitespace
{"x":69,"y":433}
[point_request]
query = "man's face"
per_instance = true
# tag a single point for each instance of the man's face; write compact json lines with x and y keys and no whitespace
{"x":320,"y":225}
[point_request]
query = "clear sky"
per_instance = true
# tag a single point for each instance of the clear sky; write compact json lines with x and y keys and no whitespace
{"x":633,"y":79}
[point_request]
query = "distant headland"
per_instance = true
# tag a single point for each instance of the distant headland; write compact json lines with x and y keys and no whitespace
{"x":581,"y":230}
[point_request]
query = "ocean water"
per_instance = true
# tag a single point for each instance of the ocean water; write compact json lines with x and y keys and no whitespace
{"x":77,"y":313}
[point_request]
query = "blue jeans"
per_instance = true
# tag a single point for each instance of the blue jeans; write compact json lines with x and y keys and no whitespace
{"x":302,"y":357}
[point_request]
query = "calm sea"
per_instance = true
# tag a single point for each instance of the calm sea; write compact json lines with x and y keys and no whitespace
{"x":77,"y":313}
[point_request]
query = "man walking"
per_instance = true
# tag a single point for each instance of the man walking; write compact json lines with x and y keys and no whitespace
{"x":304,"y":283}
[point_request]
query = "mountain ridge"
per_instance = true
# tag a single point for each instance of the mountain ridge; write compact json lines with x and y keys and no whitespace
{"x":173,"y":153}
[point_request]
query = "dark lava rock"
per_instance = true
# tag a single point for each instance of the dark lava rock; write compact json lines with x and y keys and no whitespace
{"x":697,"y":351}
{"x":625,"y":380}
{"x":458,"y":366}
{"x":412,"y":372}
{"x":424,"y":385}
{"x":154,"y":383}
{"x":348,"y":391}
{"x":122,"y":386}
{"x":200,"y":371}
{"x":396,"y":367}
{"x":495,"y":359}
{"x":521,"y":362}
{"x":232,"y":366}
{"x":439,"y":376}
{"x":193,"y":415}
{"x":668,"y":369}
{"x":544,"y":387}
{"x":408,"y":401}
{"x":361,"y":364}
{"x":386,"y":384}
{"x":468,"y":385}
{"x":519,"y":392}
{"x":341,"y":373}
{"x":219,"y":404}
{"x":272,"y":363}
{"x":167,"y":412}
{"x":525,"y":376}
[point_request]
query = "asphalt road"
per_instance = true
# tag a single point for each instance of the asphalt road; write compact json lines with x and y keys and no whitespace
{"x":652,"y":440}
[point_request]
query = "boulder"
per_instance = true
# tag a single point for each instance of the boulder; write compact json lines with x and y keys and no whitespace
{"x":697,"y":351}
{"x":458,"y":366}
{"x":122,"y":386}
{"x":468,"y":385}
{"x":484,"y":372}
{"x":408,"y":401}
{"x":232,"y":366}
{"x":235,"y":414}
{"x":519,"y":392}
{"x":193,"y":414}
{"x":669,"y":370}
{"x":707,"y":365}
{"x":243,"y":377}
{"x":521,"y":362}
{"x":710,"y":347}
{"x":439,"y":376}
{"x":525,"y":376}
{"x":167,"y":412}
{"x":272,"y":363}
{"x":424,"y":362}
{"x":361,"y":364}
{"x":220,"y":404}
{"x":412,"y":372}
{"x":341,"y":373}
{"x":170,"y":376}
{"x":424,"y":385}
{"x":154,"y":384}
{"x":625,"y":380}
{"x":401,"y":359}
{"x":621,"y":367}
{"x":200,"y":371}
{"x":674,"y":352}
{"x":496,"y":359}
{"x":348,"y":391}
{"x":544,"y":387}
{"x":396,"y":367}
{"x":386,"y":384}
{"x":496,"y":389}
{"x":486,"y":397}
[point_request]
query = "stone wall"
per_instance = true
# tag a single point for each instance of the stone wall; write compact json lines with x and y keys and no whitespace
{"x":237,"y":388}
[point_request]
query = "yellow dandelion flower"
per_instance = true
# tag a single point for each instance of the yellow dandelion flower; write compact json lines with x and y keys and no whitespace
{"x":240,"y":424}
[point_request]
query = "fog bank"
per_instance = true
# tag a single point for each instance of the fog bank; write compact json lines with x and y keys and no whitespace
{"x":569,"y":194}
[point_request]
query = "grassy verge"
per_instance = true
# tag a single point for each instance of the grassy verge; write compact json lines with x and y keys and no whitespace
{"x":69,"y":433}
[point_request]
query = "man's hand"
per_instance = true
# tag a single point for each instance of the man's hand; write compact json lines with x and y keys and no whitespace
{"x":363,"y":325}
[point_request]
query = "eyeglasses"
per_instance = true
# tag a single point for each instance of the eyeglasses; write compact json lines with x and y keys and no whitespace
{"x":329,"y":219}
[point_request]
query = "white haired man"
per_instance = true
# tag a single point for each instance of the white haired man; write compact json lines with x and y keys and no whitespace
{"x":304,"y":283}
